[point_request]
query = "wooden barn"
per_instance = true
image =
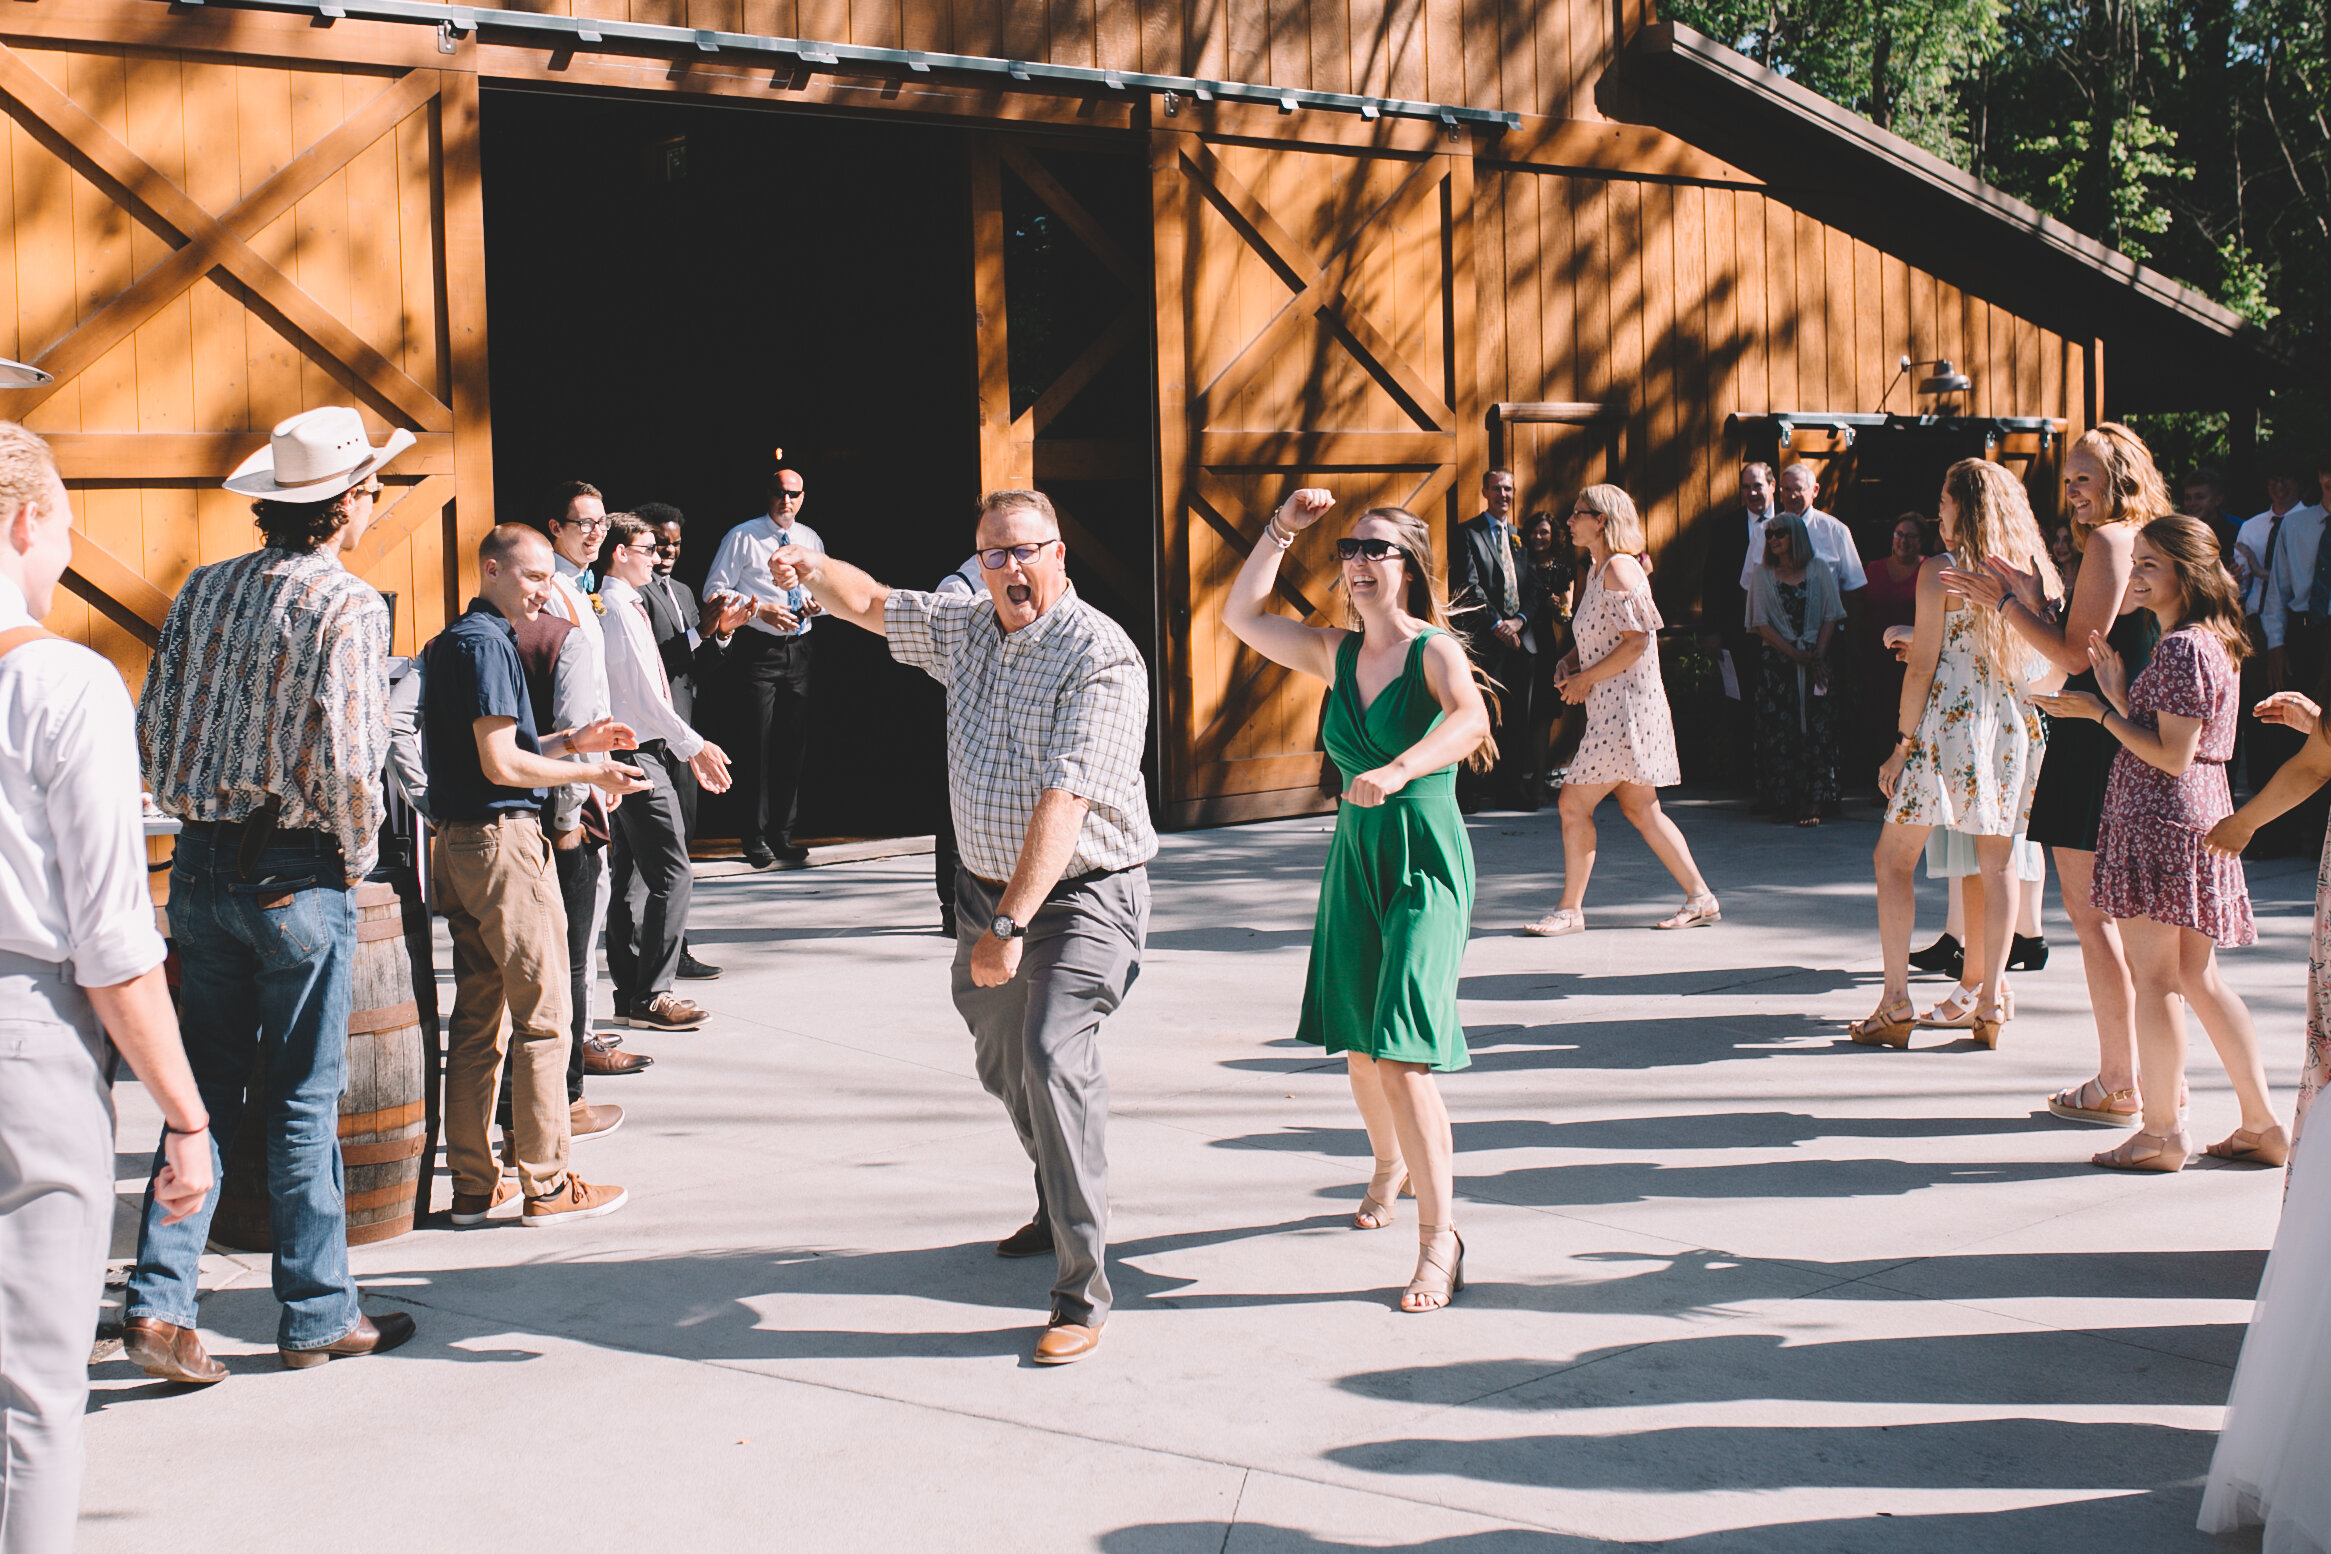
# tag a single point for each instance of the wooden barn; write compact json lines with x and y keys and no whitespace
{"x":1164,"y":259}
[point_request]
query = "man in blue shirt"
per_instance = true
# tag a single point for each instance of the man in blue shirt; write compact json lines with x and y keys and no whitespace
{"x":492,"y":875}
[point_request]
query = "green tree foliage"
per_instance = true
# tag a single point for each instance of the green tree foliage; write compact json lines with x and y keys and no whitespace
{"x":2192,"y":134}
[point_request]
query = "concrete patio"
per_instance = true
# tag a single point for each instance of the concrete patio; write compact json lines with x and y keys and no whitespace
{"x":1735,"y":1283}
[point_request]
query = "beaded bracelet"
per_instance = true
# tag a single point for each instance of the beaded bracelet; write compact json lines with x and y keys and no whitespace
{"x":1277,"y":536}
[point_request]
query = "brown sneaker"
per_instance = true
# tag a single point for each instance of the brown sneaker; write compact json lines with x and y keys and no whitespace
{"x":166,"y":1350}
{"x":585,"y":1121}
{"x":667,"y":1012}
{"x":576,"y":1199}
{"x":472,"y":1208}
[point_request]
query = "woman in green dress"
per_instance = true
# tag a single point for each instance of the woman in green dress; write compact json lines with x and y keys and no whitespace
{"x":1396,"y":902}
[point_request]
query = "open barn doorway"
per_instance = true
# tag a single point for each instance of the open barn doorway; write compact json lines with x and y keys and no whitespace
{"x":677,"y":290}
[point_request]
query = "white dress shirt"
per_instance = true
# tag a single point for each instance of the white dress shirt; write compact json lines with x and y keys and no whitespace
{"x":2290,"y":571}
{"x":72,"y":841}
{"x":1832,"y":542}
{"x":636,"y":683}
{"x":741,"y":566}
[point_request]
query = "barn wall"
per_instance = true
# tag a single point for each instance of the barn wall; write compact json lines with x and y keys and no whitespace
{"x":1688,"y":303}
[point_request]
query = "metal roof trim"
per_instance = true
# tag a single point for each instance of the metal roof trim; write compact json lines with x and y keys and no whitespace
{"x":815,"y":54}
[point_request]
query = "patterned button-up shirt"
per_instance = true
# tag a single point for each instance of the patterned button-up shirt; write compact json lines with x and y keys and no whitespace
{"x":1061,"y":703}
{"x":272,"y":677}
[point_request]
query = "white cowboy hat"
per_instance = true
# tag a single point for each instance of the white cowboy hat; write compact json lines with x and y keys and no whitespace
{"x":315,"y":456}
{"x":18,"y":375}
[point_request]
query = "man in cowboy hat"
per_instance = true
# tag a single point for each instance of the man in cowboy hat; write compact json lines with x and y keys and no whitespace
{"x":264,"y":726}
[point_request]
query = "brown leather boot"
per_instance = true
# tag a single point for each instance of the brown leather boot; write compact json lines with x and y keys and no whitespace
{"x":171,"y":1352}
{"x":367,"y":1337}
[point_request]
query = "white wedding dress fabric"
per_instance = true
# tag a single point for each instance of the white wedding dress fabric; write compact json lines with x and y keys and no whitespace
{"x":2273,"y":1462}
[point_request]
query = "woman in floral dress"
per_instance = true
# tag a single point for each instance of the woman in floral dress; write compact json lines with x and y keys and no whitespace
{"x":1966,"y":749}
{"x":2174,"y":899}
{"x":1629,"y":747}
{"x":1793,"y":604}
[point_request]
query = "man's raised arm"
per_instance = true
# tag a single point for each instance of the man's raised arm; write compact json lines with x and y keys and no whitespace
{"x":841,"y":589}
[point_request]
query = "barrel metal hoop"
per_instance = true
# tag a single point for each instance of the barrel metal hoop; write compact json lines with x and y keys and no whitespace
{"x":369,"y":1022}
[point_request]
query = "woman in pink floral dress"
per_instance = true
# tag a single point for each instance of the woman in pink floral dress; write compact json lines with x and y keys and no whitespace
{"x":2175,"y":900}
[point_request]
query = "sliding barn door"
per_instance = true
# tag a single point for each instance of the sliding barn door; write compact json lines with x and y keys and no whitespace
{"x":198,"y":245}
{"x":1314,"y":327}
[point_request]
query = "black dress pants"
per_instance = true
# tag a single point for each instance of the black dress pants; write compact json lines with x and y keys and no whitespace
{"x":772,"y":695}
{"x":647,"y":908}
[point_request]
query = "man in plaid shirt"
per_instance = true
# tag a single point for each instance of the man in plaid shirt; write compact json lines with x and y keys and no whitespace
{"x":1047,"y":714}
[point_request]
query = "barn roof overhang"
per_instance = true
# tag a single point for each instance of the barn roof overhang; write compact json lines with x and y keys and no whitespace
{"x":554,"y":29}
{"x":2167,"y":346}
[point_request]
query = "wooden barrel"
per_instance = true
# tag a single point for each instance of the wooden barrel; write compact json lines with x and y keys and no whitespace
{"x":382,"y":1110}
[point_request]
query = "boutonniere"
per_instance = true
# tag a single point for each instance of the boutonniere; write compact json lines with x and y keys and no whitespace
{"x":598,"y":605}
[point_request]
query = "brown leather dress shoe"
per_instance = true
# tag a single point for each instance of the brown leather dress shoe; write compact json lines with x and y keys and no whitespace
{"x":1064,"y":1343}
{"x":171,"y":1352}
{"x":368,"y":1337}
{"x":604,"y":1057}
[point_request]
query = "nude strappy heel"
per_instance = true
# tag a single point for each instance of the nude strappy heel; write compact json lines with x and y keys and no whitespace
{"x":1378,"y":1213}
{"x":1452,"y":1275}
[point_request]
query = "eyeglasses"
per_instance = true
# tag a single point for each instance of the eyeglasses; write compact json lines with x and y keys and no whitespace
{"x":596,"y":525}
{"x":1374,"y":550}
{"x":994,"y":559}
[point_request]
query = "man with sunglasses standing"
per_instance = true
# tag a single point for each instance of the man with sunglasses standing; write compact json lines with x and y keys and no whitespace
{"x":769,"y":666}
{"x":1047,"y":716}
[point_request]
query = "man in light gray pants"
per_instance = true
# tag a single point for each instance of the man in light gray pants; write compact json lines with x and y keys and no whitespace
{"x":77,"y":945}
{"x":1047,"y":714}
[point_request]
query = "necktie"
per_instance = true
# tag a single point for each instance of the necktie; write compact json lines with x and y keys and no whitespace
{"x":1509,"y":591}
{"x":795,"y":597}
{"x":662,"y":681}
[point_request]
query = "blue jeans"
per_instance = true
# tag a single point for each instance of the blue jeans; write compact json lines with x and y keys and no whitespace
{"x":264,"y":967}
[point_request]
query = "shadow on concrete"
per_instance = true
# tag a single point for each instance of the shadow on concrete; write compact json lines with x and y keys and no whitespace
{"x":1515,"y":986}
{"x":1700,"y":1130}
{"x":1974,"y":1454}
{"x":2156,"y":1521}
{"x":1636,"y":1182}
{"x":1229,"y":937}
{"x":2034,"y":1368}
{"x":1670,"y":1042}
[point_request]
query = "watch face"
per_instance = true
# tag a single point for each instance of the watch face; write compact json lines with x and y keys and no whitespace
{"x":1002,"y":927}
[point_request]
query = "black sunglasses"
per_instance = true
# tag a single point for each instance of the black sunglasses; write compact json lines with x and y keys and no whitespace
{"x":1374,"y":550}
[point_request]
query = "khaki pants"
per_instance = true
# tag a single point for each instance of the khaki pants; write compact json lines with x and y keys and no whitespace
{"x":498,"y":888}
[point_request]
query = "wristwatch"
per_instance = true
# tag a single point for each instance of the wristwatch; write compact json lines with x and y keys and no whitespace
{"x":1004,"y":928}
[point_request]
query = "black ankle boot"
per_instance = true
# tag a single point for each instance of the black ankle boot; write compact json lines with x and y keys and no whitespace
{"x":2028,"y":954}
{"x":1945,"y":955}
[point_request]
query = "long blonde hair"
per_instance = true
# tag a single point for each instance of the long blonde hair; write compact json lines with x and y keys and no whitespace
{"x":1996,"y":523}
{"x":1622,"y":525}
{"x":2134,"y":491}
{"x":1424,"y":595}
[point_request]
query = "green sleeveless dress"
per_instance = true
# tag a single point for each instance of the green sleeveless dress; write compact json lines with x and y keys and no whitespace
{"x":1396,"y":901}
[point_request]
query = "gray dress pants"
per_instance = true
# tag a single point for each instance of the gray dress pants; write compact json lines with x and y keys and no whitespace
{"x":56,"y":1223}
{"x":647,"y":912}
{"x":1036,"y":1042}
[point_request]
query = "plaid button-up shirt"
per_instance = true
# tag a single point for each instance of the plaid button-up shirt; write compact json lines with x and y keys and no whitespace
{"x":1061,"y":703}
{"x":272,"y":677}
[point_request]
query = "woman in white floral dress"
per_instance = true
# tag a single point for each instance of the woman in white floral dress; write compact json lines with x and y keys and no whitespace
{"x":1629,"y":747}
{"x":1966,"y":749}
